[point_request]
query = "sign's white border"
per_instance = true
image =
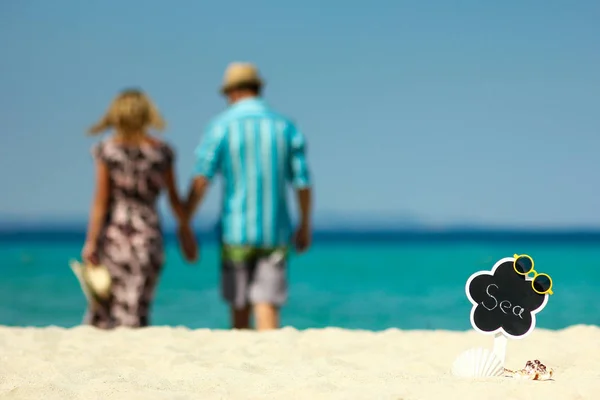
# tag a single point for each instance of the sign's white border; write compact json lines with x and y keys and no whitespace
{"x":475,"y":304}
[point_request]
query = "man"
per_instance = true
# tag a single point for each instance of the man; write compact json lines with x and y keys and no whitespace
{"x":258,"y":152}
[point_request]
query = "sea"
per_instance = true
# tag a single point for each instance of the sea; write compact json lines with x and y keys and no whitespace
{"x":364,"y":279}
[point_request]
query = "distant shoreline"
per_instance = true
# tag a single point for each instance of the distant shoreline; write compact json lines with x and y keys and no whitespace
{"x":345,"y":235}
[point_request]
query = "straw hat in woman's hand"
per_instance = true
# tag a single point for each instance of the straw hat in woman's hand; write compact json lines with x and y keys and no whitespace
{"x":95,"y":280}
{"x":98,"y":279}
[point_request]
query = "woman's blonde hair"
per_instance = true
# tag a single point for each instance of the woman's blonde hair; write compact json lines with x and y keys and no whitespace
{"x":131,"y":111}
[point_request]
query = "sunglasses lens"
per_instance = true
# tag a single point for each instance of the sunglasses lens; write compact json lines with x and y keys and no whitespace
{"x":524,"y":265}
{"x":542,"y":283}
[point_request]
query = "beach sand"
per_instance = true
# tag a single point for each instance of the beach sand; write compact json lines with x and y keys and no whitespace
{"x":177,"y":363}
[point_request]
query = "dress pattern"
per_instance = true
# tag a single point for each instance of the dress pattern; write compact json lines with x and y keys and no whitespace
{"x":131,"y":242}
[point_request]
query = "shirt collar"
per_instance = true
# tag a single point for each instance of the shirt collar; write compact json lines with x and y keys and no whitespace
{"x":251,"y":103}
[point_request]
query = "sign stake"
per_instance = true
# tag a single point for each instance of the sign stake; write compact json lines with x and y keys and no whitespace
{"x":499,"y":349}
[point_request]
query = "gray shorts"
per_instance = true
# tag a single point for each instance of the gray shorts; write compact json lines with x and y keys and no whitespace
{"x":257,"y":278}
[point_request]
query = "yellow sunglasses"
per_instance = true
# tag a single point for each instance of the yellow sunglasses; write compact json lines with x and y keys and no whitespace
{"x":541,"y":283}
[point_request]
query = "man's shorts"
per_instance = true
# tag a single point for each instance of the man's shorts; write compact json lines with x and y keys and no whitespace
{"x":251,"y":276}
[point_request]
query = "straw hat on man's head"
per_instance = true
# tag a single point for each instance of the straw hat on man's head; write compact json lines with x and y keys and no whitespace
{"x":241,"y":75}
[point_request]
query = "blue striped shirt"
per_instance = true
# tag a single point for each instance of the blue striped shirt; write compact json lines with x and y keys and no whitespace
{"x":258,"y":152}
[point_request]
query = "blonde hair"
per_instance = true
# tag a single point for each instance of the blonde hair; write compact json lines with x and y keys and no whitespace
{"x":131,"y":111}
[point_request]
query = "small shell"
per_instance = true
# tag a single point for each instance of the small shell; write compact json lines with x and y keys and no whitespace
{"x":534,"y":370}
{"x":544,"y":376}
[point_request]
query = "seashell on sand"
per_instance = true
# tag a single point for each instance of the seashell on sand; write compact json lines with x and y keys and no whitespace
{"x":534,"y":370}
{"x":477,"y":363}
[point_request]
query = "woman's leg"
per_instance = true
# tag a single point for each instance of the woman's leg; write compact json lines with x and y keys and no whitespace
{"x":98,"y":315}
{"x":147,"y":295}
{"x":134,"y":296}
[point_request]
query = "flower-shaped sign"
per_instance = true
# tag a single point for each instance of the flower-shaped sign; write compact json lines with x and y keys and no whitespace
{"x":505,"y":300}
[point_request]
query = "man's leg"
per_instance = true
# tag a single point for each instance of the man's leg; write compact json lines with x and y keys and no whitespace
{"x":235,"y":280}
{"x":240,"y":318}
{"x":268,"y":290}
{"x":266,"y":316}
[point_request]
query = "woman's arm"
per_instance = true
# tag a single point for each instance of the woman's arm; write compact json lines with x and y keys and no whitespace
{"x":177,"y":205}
{"x":99,"y":206}
{"x":187,"y":241}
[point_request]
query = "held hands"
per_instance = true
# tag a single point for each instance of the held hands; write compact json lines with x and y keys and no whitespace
{"x":187,"y":243}
{"x":185,"y":234}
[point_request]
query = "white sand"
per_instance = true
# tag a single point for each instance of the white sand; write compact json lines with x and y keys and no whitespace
{"x":176,"y":363}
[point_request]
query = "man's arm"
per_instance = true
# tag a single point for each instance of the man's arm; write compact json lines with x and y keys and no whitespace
{"x":301,"y":181}
{"x":208,"y":162}
{"x":196,"y":194}
{"x":304,"y":196}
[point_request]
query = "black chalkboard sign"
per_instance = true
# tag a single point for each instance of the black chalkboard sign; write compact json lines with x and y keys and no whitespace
{"x":503,"y":301}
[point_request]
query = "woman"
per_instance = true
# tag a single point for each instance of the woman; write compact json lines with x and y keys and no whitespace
{"x":124,"y":232}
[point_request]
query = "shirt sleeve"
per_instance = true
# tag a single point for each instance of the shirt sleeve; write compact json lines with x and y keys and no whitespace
{"x":300,"y":176}
{"x":208,"y":152}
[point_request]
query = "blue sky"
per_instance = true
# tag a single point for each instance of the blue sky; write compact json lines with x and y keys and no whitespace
{"x":451,"y":112}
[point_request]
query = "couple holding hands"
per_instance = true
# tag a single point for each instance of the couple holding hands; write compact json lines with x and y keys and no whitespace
{"x":257,"y":152}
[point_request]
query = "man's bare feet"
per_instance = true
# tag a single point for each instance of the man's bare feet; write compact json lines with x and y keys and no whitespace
{"x":240,"y":318}
{"x":266,"y":316}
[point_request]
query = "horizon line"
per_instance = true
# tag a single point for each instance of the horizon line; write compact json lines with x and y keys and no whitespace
{"x":329,"y":221}
{"x":347,"y":229}
{"x":398,"y":224}
{"x":347,"y":236}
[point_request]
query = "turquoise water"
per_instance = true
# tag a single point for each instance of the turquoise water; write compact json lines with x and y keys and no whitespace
{"x":346,"y":282}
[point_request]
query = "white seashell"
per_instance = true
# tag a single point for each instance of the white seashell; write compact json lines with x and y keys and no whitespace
{"x":477,"y":363}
